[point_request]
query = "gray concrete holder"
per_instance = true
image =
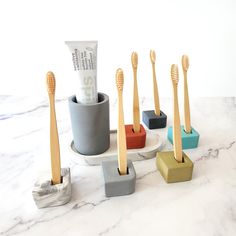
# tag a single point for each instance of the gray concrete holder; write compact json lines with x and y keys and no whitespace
{"x":47,"y":195}
{"x":90,"y":125}
{"x":116,"y":184}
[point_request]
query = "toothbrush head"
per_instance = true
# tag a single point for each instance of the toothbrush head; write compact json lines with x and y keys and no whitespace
{"x":134,"y":60}
{"x":119,"y":79}
{"x":185,"y":62}
{"x":153,"y":56}
{"x":175,"y":74}
{"x":51,"y":82}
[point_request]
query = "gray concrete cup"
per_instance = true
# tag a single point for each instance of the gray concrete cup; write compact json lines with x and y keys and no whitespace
{"x":90,"y":125}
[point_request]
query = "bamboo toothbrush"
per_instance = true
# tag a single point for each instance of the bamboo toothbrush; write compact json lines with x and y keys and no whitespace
{"x":187,"y":123}
{"x":136,"y":114}
{"x":54,"y":141}
{"x":155,"y":88}
{"x":177,"y":142}
{"x":121,"y":138}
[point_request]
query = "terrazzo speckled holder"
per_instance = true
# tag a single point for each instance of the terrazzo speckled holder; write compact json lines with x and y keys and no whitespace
{"x":116,"y":184}
{"x":90,"y":125}
{"x":152,"y":121}
{"x":135,"y":140}
{"x":188,"y":140}
{"x":173,"y":171}
{"x":47,"y":195}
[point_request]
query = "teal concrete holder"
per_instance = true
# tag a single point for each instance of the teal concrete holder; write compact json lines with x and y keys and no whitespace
{"x":188,"y":140}
{"x":173,"y":171}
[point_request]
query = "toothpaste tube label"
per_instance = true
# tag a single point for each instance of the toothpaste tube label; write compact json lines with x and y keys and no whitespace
{"x":87,"y":88}
{"x":84,"y":58}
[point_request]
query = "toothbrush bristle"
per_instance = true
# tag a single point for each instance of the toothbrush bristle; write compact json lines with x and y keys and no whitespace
{"x":134,"y":59}
{"x":119,"y":79}
{"x":185,"y":62}
{"x":153,"y":56}
{"x":51,"y":82}
{"x":175,"y":73}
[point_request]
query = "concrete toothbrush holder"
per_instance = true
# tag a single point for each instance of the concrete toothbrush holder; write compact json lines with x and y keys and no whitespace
{"x":189,"y":136}
{"x":90,"y":125}
{"x":119,"y":175}
{"x":175,"y":166}
{"x":173,"y":171}
{"x":152,"y":121}
{"x":57,"y":190}
{"x":46,"y":194}
{"x":135,"y":140}
{"x":135,"y":133}
{"x":116,"y":184}
{"x":188,"y":140}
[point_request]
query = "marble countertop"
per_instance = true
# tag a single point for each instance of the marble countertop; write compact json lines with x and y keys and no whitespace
{"x":204,"y":206}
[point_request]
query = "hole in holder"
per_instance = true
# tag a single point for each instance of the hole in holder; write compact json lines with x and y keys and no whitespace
{"x":134,"y":132}
{"x":158,"y":115}
{"x":59,"y":183}
{"x":101,"y":98}
{"x":181,"y":161}
{"x":188,"y":133}
{"x":126,"y":173}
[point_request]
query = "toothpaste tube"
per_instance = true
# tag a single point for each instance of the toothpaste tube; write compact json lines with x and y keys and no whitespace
{"x":84,"y":58}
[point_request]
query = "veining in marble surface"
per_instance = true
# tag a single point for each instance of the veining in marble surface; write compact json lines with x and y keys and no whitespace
{"x":204,"y":206}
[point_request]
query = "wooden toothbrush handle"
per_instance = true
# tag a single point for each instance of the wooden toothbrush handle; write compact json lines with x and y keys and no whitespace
{"x":187,"y":123}
{"x":121,"y":137}
{"x":136,"y":113}
{"x":177,"y":141}
{"x":155,"y":92}
{"x":54,"y":143}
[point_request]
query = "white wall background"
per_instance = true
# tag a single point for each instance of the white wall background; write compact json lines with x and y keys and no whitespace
{"x":32,"y":35}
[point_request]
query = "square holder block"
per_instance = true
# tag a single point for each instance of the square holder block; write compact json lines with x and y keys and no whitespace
{"x":152,"y":121}
{"x":135,"y":140}
{"x":188,"y":140}
{"x":173,"y":171}
{"x":116,"y":184}
{"x":47,"y":195}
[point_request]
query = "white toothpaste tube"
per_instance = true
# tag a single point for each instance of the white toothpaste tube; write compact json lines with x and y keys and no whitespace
{"x":84,"y":57}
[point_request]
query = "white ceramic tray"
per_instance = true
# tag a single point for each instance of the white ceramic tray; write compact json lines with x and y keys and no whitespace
{"x":153,"y":145}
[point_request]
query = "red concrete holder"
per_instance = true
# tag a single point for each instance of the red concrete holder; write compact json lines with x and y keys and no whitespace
{"x":135,"y":140}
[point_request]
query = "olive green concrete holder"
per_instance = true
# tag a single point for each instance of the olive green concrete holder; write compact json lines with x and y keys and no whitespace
{"x":173,"y":171}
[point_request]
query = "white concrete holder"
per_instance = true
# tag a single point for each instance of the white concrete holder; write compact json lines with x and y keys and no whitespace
{"x":57,"y":190}
{"x":47,"y":195}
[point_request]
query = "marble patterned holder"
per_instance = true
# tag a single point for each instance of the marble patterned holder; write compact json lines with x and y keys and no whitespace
{"x":188,"y":140}
{"x":152,"y":121}
{"x":47,"y":195}
{"x":173,"y":171}
{"x":154,"y":144}
{"x":135,"y":140}
{"x":116,"y":184}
